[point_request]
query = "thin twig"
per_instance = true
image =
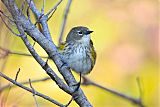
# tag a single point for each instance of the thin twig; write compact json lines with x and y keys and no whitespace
{"x":139,"y":87}
{"x":30,"y":90}
{"x":55,"y":7}
{"x":17,"y":74}
{"x":140,"y":90}
{"x":25,"y":82}
{"x":10,"y":87}
{"x":51,"y":14}
{"x":34,"y":92}
{"x":42,"y":10}
{"x":28,"y":13}
{"x":10,"y":19}
{"x":42,"y":19}
{"x":6,"y":96}
{"x":9,"y":27}
{"x":64,"y":21}
{"x":33,"y":8}
{"x":18,"y":53}
{"x":22,"y":6}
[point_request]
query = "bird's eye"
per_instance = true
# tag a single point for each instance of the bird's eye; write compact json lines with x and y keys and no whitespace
{"x":80,"y":33}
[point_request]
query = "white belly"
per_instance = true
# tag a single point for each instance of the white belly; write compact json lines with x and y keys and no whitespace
{"x":79,"y":61}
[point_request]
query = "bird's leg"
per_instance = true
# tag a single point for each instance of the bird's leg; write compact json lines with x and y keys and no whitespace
{"x":79,"y":83}
{"x":69,"y":102}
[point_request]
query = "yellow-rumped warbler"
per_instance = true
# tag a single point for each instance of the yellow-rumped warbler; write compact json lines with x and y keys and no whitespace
{"x":78,"y":51}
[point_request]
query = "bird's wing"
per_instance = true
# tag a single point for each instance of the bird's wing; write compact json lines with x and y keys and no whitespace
{"x":93,"y":53}
{"x":61,"y":46}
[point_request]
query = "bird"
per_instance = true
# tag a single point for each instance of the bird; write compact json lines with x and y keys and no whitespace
{"x":78,"y":52}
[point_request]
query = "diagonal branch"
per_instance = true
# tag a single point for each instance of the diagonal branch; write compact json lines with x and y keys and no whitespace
{"x":8,"y":26}
{"x":41,"y":18}
{"x":34,"y":93}
{"x":10,"y":19}
{"x":19,"y":22}
{"x":23,"y":24}
{"x":16,"y":53}
{"x":64,"y":21}
{"x":30,"y":90}
{"x":54,"y":8}
{"x":87,"y":81}
{"x":17,"y":74}
{"x":43,"y":64}
{"x":136,"y":101}
{"x":25,"y":82}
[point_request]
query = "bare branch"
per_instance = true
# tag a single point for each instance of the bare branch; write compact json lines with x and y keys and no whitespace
{"x":22,"y":6}
{"x":30,"y":90}
{"x":64,"y":21}
{"x":42,"y":10}
{"x":17,"y":74}
{"x":28,"y":13}
{"x":47,"y":68}
{"x":51,"y":49}
{"x":88,"y":82}
{"x":51,"y":14}
{"x":34,"y":93}
{"x":140,"y":90}
{"x":17,"y":53}
{"x":8,"y":26}
{"x":10,"y":19}
{"x":43,"y":64}
{"x":10,"y":87}
{"x":33,"y":8}
{"x":24,"y":83}
{"x":54,"y":8}
{"x":69,"y":102}
{"x":16,"y":14}
{"x":41,"y":18}
{"x":136,"y":101}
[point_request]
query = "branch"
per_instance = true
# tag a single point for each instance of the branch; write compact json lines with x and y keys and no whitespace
{"x":54,"y":8}
{"x":64,"y":21}
{"x":90,"y":82}
{"x":33,"y":93}
{"x":17,"y":74}
{"x":42,"y":10}
{"x":22,"y":5}
{"x":136,"y":101}
{"x":43,"y":64}
{"x":51,"y":49}
{"x":25,"y":82}
{"x":140,"y":91}
{"x":16,"y":53}
{"x":7,"y":24}
{"x":30,"y":90}
{"x":10,"y":19}
{"x":16,"y":14}
{"x":41,"y":18}
{"x":86,"y":81}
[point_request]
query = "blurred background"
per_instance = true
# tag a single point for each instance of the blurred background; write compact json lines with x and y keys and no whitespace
{"x":126,"y":41}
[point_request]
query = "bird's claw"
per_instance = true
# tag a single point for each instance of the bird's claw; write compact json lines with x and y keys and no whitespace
{"x":78,"y":86}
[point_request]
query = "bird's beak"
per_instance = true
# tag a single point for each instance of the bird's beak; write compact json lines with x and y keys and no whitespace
{"x":88,"y":32}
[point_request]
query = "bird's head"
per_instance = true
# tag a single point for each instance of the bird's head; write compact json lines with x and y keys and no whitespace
{"x":79,"y":34}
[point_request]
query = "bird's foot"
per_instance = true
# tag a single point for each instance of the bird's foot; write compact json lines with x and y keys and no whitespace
{"x":78,"y":86}
{"x":64,"y":64}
